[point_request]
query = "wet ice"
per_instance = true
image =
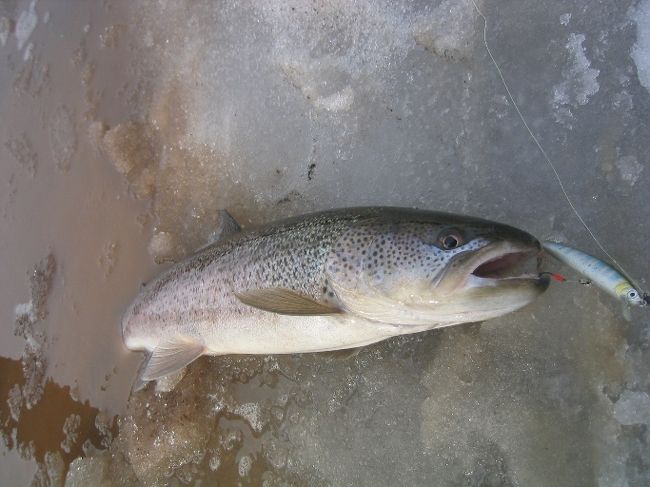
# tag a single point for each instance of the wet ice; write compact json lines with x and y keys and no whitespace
{"x":498,"y":404}
{"x":279,"y":108}
{"x":27,"y":318}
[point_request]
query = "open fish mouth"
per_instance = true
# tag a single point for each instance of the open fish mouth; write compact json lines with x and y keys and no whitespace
{"x":510,"y":265}
{"x":498,"y":278}
{"x":502,"y":264}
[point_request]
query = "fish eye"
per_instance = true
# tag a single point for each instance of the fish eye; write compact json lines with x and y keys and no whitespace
{"x":632,"y":294}
{"x":450,"y":239}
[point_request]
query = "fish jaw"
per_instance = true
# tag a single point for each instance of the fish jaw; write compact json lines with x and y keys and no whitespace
{"x":486,"y":298}
{"x":491,"y":282}
{"x":481,"y":284}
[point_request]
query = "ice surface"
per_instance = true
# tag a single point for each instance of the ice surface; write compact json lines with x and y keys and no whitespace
{"x":63,"y":138}
{"x":251,"y":413}
{"x":51,"y":472}
{"x":88,"y":471}
{"x":630,"y":169}
{"x":108,"y":258}
{"x":168,"y":382}
{"x":104,"y":425}
{"x":276,"y":108}
{"x":70,"y":430}
{"x":33,"y":76}
{"x":25,"y":25}
{"x":641,"y":50}
{"x":164,"y":247}
{"x":15,"y":402}
{"x":23,"y":152}
{"x":245,"y":465}
{"x":580,"y":79}
{"x":29,"y":50}
{"x":27,"y":316}
{"x":110,"y":36}
{"x":387,"y":102}
{"x":449,"y":30}
{"x":633,"y":408}
{"x":214,"y":463}
{"x":5,"y":29}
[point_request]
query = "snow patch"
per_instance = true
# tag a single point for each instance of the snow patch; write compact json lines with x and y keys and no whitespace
{"x":641,"y":49}
{"x":449,"y":30}
{"x":251,"y":413}
{"x":71,"y":432}
{"x":245,"y":464}
{"x":633,"y":408}
{"x":26,"y":24}
{"x":339,"y":101}
{"x":629,"y":168}
{"x":63,"y":137}
{"x":580,"y":80}
{"x":5,"y":29}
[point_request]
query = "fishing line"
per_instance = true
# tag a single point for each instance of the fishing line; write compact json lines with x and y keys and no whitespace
{"x":561,"y":278}
{"x":543,"y":152}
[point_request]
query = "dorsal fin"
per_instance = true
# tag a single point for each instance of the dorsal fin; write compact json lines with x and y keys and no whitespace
{"x":227,"y":225}
{"x":285,"y":302}
{"x":226,"y":228}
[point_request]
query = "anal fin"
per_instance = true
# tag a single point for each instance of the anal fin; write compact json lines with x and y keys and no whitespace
{"x":169,"y":357}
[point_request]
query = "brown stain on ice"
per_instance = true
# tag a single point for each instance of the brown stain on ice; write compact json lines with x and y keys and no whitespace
{"x":42,"y":425}
{"x":185,"y":183}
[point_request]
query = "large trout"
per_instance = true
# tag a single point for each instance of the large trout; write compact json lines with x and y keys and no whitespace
{"x":330,"y":281}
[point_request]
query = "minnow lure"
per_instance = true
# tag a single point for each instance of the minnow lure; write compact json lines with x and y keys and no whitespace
{"x":600,"y":273}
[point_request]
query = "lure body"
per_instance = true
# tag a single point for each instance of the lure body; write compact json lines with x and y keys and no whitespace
{"x":600,"y":273}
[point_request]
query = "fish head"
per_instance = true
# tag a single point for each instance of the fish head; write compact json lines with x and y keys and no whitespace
{"x":435,"y":269}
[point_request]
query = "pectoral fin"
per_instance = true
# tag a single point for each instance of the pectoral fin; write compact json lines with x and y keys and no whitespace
{"x":169,"y":357}
{"x":285,"y":302}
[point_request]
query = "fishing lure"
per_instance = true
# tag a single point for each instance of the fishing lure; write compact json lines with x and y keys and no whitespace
{"x":600,"y":273}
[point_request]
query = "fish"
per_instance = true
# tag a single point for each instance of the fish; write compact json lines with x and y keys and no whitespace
{"x":330,"y":281}
{"x":605,"y":276}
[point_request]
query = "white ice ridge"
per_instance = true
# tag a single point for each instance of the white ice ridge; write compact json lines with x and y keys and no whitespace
{"x":26,"y":24}
{"x":633,"y":408}
{"x":641,"y":50}
{"x":580,"y":79}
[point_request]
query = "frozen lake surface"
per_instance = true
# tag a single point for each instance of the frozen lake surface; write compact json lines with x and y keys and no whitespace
{"x":127,"y":125}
